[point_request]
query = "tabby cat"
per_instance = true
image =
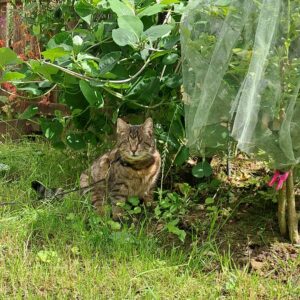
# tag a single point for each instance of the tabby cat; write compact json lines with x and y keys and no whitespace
{"x":131,"y":169}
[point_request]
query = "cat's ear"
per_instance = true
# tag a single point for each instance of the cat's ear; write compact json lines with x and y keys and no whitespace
{"x":148,"y":126}
{"x":122,"y":126}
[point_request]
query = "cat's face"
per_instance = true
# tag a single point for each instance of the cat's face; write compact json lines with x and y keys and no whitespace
{"x":135,"y":142}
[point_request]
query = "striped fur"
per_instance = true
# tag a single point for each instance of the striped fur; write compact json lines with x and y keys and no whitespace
{"x":131,"y":169}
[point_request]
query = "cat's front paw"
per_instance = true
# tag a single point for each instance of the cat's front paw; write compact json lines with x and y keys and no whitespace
{"x":148,"y":201}
{"x":117,"y":213}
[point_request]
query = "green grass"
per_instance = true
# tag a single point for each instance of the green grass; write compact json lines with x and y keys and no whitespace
{"x":62,"y":250}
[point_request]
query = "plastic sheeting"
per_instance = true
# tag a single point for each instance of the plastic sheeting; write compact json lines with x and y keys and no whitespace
{"x":241,"y":75}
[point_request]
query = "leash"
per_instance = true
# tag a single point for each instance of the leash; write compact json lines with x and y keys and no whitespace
{"x":87,"y":188}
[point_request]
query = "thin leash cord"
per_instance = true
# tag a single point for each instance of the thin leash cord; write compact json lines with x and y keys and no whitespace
{"x":69,"y":191}
{"x":59,"y":194}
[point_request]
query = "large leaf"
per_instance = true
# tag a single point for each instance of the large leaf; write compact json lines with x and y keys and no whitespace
{"x":170,"y":59}
{"x":55,"y":53}
{"x":12,"y":76}
{"x":151,"y":10}
{"x":131,"y":23}
{"x":202,"y":169}
{"x":7,"y":57}
{"x":90,"y":67}
{"x":123,"y":37}
{"x":84,"y":10}
{"x":43,"y":69}
{"x":173,"y":81}
{"x":157,"y":31}
{"x":108,"y":61}
{"x":182,"y":156}
{"x":92,"y":94}
{"x":120,"y":8}
{"x":63,"y":40}
{"x":145,"y":89}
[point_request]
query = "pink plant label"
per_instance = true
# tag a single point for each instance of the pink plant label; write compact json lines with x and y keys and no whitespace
{"x":280,"y":178}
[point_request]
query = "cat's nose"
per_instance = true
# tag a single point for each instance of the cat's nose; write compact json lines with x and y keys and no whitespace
{"x":133,"y":150}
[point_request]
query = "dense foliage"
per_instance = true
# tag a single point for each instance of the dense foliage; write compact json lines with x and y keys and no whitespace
{"x":107,"y":59}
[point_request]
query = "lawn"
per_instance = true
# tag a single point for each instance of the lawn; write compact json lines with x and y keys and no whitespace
{"x":63,"y":250}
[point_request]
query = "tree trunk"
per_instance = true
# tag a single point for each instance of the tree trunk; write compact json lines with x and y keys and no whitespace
{"x":282,"y":210}
{"x":291,"y":210}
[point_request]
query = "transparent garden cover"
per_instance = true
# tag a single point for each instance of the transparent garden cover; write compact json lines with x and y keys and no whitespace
{"x":241,"y":74}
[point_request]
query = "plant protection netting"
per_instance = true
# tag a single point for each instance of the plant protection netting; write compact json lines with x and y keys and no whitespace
{"x":241,"y":74}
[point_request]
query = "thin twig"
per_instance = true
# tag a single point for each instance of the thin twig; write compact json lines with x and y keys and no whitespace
{"x":84,"y":77}
{"x":28,"y":98}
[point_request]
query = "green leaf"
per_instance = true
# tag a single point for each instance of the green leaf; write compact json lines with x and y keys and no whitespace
{"x":84,"y":56}
{"x":92,"y":94}
{"x":36,"y":29}
{"x":84,"y":10}
{"x":47,"y":256}
{"x":209,"y":200}
{"x":134,"y":201}
{"x":123,"y":37}
{"x":145,"y":89}
{"x":202,"y":169}
{"x":91,"y":67}
{"x":43,"y":69}
{"x":184,"y":188}
{"x":182,"y":156}
{"x":159,"y":54}
{"x":108,"y":61}
{"x":168,"y":2}
{"x":76,"y":141}
{"x":157,"y":31}
{"x":169,"y":42}
{"x":137,"y":210}
{"x":114,"y":225}
{"x":55,"y":53}
{"x":99,"y":32}
{"x":151,"y":10}
{"x":170,"y":59}
{"x":63,"y":40}
{"x":131,"y":23}
{"x":8,"y":57}
{"x":120,"y":8}
{"x":52,"y":129}
{"x":173,"y":81}
{"x":30,"y":111}
{"x":12,"y":76}
{"x":171,"y":226}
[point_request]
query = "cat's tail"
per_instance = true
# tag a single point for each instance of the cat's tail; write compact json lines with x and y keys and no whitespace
{"x":46,"y":193}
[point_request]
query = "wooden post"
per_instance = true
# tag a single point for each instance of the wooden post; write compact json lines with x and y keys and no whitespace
{"x":282,"y":210}
{"x":291,"y":210}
